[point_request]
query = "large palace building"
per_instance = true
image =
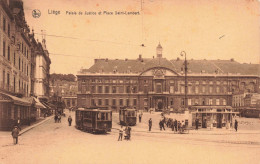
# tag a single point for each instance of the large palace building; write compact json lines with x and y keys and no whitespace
{"x":159,"y":83}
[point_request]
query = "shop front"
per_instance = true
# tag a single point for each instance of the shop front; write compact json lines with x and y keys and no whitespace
{"x":213,"y":116}
{"x":13,"y":109}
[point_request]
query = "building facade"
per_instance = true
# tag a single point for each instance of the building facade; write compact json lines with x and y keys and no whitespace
{"x":66,"y":90}
{"x":159,"y":83}
{"x":17,"y":67}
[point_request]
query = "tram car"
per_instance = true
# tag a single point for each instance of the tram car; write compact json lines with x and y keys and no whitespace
{"x":127,"y":116}
{"x":93,"y":120}
{"x":250,"y":113}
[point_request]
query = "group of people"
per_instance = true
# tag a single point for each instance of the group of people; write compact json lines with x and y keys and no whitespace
{"x":127,"y":133}
{"x":57,"y":118}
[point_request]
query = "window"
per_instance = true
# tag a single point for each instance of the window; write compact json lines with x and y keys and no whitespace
{"x":4,"y":24}
{"x":203,"y":89}
{"x":113,"y":89}
{"x":128,"y":89}
{"x":171,"y":89}
{"x":182,"y":89}
{"x":114,"y":102}
{"x":196,"y":89}
{"x":27,"y":71}
{"x":99,"y":101}
{"x":189,"y":89}
{"x":210,"y":89}
{"x":127,"y":102}
{"x":19,"y":63}
{"x":93,"y":89}
{"x":189,"y":101}
{"x":93,"y":80}
{"x":135,"y":102}
{"x":217,"y":89}
{"x":14,"y":84}
{"x":8,"y":53}
{"x":210,"y":101}
{"x":4,"y":48}
{"x":134,"y":89}
{"x":158,"y":88}
{"x":217,"y":101}
{"x":93,"y":103}
{"x":8,"y":80}
{"x":121,"y":102}
{"x":14,"y":58}
{"x":106,"y":102}
{"x":171,"y":102}
{"x":121,"y":89}
{"x":106,"y":89}
{"x":145,"y":89}
{"x":225,"y":89}
{"x":4,"y":78}
{"x":224,"y":102}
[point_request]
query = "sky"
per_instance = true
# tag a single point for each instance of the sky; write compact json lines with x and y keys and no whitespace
{"x":204,"y":29}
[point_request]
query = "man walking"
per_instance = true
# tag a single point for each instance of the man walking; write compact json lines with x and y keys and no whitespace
{"x":150,"y":124}
{"x":120,"y":133}
{"x":69,"y":120}
{"x":236,"y":125}
{"x":15,"y":133}
{"x":140,"y":118}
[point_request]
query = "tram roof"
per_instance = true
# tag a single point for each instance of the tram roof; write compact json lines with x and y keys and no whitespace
{"x":93,"y":110}
{"x":129,"y":109}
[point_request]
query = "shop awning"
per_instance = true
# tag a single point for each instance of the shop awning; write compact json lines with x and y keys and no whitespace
{"x":46,"y":105}
{"x":38,"y":104}
{"x":16,"y":100}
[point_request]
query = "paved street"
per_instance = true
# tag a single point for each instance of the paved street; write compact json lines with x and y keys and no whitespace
{"x":58,"y":143}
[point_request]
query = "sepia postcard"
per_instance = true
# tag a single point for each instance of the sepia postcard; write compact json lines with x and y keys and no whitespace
{"x":129,"y":81}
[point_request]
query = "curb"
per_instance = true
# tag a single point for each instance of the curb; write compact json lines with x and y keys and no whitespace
{"x":35,"y":125}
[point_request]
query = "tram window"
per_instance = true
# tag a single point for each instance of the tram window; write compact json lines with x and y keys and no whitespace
{"x":103,"y":117}
{"x":98,"y":116}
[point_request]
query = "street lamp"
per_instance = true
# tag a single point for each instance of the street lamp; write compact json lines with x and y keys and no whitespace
{"x":185,"y":77}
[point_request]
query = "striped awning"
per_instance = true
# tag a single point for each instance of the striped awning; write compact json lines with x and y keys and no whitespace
{"x":4,"y":97}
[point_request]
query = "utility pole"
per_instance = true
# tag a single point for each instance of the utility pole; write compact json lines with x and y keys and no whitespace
{"x":186,"y":83}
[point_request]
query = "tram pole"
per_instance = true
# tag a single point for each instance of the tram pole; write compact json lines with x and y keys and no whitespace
{"x":186,"y":83}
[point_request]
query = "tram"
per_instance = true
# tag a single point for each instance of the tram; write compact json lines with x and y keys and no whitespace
{"x":93,"y":120}
{"x":127,"y":116}
{"x":250,"y":113}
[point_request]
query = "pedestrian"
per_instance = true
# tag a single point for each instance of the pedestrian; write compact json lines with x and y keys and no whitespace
{"x":236,"y":125}
{"x":197,"y":124}
{"x":56,"y":118}
{"x":175,"y":125}
{"x":126,"y":133}
{"x":140,"y":118}
{"x":69,"y":120}
{"x":150,"y":124}
{"x":121,"y":130}
{"x":15,"y":133}
{"x":129,"y":132}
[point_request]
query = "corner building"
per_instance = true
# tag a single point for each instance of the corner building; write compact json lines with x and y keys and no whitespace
{"x":158,"y":83}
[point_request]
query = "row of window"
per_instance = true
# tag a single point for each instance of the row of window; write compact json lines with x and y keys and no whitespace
{"x":21,"y":65}
{"x":158,"y":89}
{"x":146,"y":81}
{"x":110,"y":81}
{"x":114,"y":102}
{"x":6,"y":84}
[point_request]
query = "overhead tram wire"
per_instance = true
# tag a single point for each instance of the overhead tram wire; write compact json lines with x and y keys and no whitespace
{"x":91,"y":40}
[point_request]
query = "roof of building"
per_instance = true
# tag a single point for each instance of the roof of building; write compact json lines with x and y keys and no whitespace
{"x":139,"y":65}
